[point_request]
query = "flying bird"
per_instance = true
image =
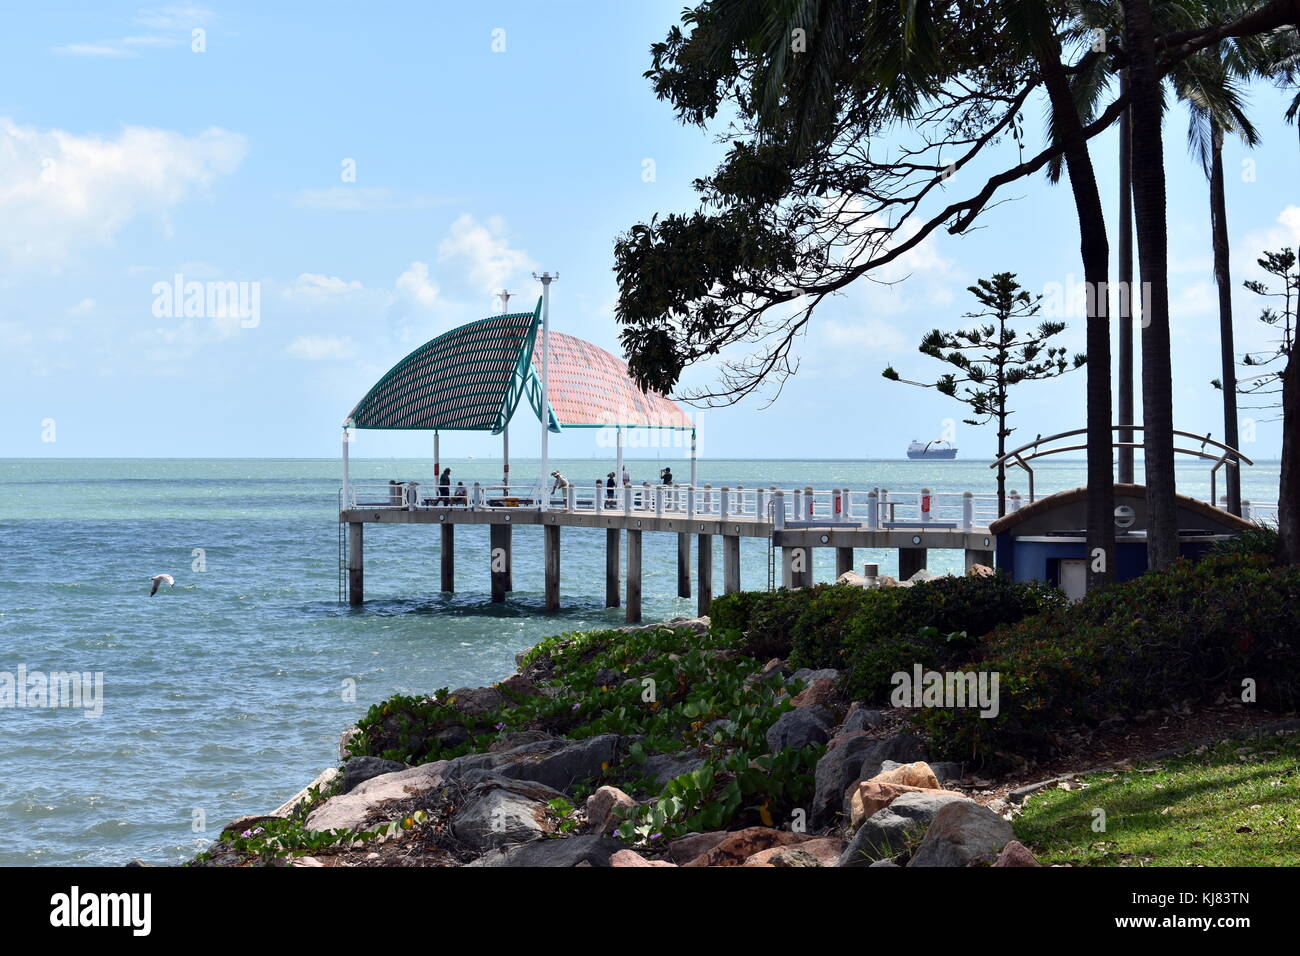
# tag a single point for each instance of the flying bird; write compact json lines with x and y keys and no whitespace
{"x":158,"y":580}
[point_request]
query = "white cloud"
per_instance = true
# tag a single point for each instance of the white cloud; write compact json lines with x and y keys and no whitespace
{"x":313,"y":287}
{"x":174,"y":23}
{"x":83,"y":307}
{"x":58,"y":189}
{"x":175,"y":16}
{"x":484,"y":250}
{"x":415,"y":286}
{"x":317,"y":348}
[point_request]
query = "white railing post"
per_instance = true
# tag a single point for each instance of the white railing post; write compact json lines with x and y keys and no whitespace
{"x":1013,"y":501}
{"x":837,"y":505}
{"x":811,"y":500}
{"x":570,"y":496}
{"x":690,"y":502}
{"x":925,"y":502}
{"x":708,"y":498}
{"x":760,"y":500}
{"x":738,"y":501}
{"x":724,"y":503}
{"x":627,"y":499}
{"x":645,"y":496}
{"x":885,"y":516}
{"x":598,"y":503}
{"x":797,"y":498}
{"x":659,"y":501}
{"x":873,"y":511}
{"x":967,"y":510}
{"x":778,"y":509}
{"x":1245,"y":509}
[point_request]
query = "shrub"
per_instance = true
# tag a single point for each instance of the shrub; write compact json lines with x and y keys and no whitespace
{"x":1261,"y":538}
{"x":1185,"y":634}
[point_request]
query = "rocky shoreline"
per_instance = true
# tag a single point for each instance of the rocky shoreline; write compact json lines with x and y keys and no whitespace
{"x":534,"y":797}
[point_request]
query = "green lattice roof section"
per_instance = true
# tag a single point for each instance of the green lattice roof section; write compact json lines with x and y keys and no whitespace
{"x":468,"y":379}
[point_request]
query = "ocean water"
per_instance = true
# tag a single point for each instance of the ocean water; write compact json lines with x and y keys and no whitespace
{"x":225,"y":694}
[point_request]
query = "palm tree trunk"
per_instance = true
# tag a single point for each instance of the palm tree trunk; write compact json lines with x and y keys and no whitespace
{"x":1288,"y":501}
{"x":1124,"y":414}
{"x":1095,"y":252}
{"x":1222,"y":278}
{"x":1148,"y":172}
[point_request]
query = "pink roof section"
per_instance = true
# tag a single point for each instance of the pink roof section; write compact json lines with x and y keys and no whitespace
{"x":589,"y":387}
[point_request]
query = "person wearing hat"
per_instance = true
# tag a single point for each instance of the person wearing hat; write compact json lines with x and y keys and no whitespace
{"x":666,"y":476}
{"x":560,"y":482}
{"x":609,"y":491}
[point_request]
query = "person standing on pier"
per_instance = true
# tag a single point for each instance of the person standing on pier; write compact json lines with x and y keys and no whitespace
{"x":444,"y":487}
{"x":609,"y":491}
{"x":666,"y":476}
{"x":561,"y":484}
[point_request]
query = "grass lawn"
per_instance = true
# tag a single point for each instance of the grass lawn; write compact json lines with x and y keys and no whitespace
{"x":1234,"y":804}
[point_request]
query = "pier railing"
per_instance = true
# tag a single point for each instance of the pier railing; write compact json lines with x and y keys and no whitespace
{"x":877,"y":508}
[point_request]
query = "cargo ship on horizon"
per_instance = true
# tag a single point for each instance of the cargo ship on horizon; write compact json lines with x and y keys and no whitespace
{"x":932,"y":450}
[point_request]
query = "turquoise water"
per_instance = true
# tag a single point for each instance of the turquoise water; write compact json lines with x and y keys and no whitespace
{"x":224,"y":695}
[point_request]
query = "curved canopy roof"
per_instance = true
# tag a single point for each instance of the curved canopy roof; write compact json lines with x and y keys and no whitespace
{"x":472,"y":378}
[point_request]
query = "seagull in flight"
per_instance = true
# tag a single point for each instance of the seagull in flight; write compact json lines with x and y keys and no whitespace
{"x":158,"y":580}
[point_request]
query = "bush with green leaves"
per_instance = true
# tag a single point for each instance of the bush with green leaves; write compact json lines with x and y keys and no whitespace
{"x":1260,"y":538}
{"x":1188,"y":633}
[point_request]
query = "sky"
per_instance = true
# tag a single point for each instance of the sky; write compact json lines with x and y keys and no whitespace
{"x":367,"y":176}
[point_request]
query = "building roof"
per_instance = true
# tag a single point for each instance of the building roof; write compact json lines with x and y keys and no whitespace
{"x":473,"y":377}
{"x":1051,"y":502}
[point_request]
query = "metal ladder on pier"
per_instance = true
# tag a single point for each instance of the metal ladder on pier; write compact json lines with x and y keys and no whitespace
{"x":771,"y":550}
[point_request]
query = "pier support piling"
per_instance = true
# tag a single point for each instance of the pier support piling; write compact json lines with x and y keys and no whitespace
{"x":683,"y":564}
{"x":633,"y":576}
{"x":910,"y":560}
{"x":843,"y":561}
{"x":448,"y":551}
{"x":508,"y":542}
{"x":499,"y":537}
{"x":552,"y":561}
{"x":796,"y":567}
{"x":705,"y":584}
{"x":356,"y":564}
{"x":730,"y":563}
{"x":613,"y":546}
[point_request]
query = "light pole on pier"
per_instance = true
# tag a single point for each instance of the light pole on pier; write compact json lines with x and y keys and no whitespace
{"x":545,"y":279}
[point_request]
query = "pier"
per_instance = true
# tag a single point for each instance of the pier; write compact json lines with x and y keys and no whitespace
{"x":790,"y":522}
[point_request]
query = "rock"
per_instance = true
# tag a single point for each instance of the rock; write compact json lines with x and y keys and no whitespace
{"x":659,"y":769}
{"x":625,"y":858}
{"x":860,"y":718}
{"x":798,"y":728}
{"x":688,"y":847}
{"x":323,"y":780}
{"x":358,"y":770}
{"x":824,"y":851}
{"x":607,"y":677}
{"x":963,"y":834}
{"x":868,"y":797}
{"x":774,"y":666}
{"x":306,"y":861}
{"x":1016,"y":853}
{"x":453,"y":735}
{"x":739,"y":845}
{"x":136,"y":863}
{"x":348,"y":811}
{"x":477,"y":701}
{"x":518,"y":738}
{"x":888,"y":831}
{"x":808,"y":675}
{"x":945,"y":771}
{"x":517,"y":685}
{"x":606,"y":809}
{"x":820,"y":693}
{"x":980,"y":571}
{"x":571,"y":851}
{"x":885,"y":863}
{"x":500,"y":811}
{"x":902,"y":747}
{"x":916,"y":774}
{"x":837,"y":770}
{"x":556,"y":762}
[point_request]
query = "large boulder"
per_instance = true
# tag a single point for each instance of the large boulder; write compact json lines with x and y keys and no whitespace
{"x":837,"y":770}
{"x":588,"y":850}
{"x":902,"y":747}
{"x":963,"y":833}
{"x":500,"y":811}
{"x":860,"y":718}
{"x":350,"y":811}
{"x":631,"y":858}
{"x":1016,"y":853}
{"x":820,"y":693}
{"x":688,"y":847}
{"x":887,"y":832}
{"x":358,"y":770}
{"x":917,"y":774}
{"x":555,"y":762}
{"x":477,"y":701}
{"x":799,"y":728}
{"x":323,"y":780}
{"x":659,"y":769}
{"x":869,"y":797}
